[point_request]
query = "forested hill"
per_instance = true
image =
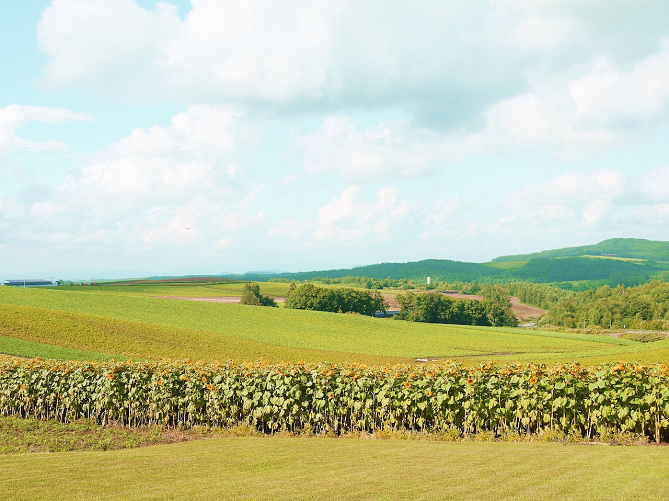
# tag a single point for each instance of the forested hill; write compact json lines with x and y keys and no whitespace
{"x":629,"y":248}
{"x":439,"y":269}
{"x":612,"y":262}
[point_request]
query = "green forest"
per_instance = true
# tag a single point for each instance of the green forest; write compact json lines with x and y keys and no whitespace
{"x":628,"y":262}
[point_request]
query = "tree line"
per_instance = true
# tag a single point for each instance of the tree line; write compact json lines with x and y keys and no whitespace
{"x":435,"y":307}
{"x":337,"y":300}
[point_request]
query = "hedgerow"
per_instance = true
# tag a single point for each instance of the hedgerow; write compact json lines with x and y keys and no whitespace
{"x":342,"y":398}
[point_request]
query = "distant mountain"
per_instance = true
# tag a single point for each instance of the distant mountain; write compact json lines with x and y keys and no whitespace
{"x":625,"y":261}
{"x":631,"y":248}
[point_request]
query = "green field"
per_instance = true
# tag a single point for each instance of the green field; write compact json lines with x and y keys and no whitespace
{"x":128,"y":321}
{"x":138,"y":326}
{"x":224,"y":289}
{"x":334,"y":469}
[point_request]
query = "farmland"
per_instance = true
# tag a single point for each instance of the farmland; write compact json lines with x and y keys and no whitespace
{"x":129,"y":321}
{"x":138,"y":326}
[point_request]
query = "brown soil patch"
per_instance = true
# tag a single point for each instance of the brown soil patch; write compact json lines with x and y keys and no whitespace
{"x":524,"y":311}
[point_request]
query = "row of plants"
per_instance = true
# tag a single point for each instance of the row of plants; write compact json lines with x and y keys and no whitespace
{"x":343,"y":398}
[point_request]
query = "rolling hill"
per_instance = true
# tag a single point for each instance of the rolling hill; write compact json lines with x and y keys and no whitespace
{"x":611,"y":262}
{"x":628,"y":248}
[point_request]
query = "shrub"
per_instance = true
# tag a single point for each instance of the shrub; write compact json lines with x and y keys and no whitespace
{"x":252,"y":296}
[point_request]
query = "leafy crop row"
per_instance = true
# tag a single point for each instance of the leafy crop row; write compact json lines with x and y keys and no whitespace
{"x":322,"y":398}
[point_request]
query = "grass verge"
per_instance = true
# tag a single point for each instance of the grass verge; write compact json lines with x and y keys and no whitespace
{"x":336,"y":469}
{"x":19,"y":435}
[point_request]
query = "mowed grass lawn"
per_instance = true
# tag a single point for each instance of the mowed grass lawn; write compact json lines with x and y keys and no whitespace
{"x":337,"y":469}
{"x":147,"y":327}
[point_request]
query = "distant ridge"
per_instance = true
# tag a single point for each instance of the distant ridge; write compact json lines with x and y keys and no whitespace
{"x":631,"y":248}
{"x":626,"y":261}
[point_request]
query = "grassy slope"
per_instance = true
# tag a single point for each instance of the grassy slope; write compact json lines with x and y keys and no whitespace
{"x":38,"y":328}
{"x":323,"y":468}
{"x":145,"y":327}
{"x":216,"y":323}
{"x":622,"y":247}
{"x":31,"y":349}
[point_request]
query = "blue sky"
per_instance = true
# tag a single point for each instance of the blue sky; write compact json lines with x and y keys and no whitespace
{"x":142,"y":137}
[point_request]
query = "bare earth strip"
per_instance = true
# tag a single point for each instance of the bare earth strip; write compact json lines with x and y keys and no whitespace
{"x":524,"y":311}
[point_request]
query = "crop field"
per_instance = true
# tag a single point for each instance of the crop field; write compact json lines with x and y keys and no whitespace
{"x":89,"y":323}
{"x":224,"y":289}
{"x":146,"y":327}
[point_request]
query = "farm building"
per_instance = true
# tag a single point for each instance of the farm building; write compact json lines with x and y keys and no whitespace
{"x":28,"y":282}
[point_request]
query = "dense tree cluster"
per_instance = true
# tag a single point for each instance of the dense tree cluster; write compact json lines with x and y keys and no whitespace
{"x":435,"y":307}
{"x":642,"y":307}
{"x":252,"y":296}
{"x":335,"y":299}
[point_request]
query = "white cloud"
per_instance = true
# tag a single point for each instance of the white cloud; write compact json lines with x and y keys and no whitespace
{"x":652,"y":186}
{"x":391,"y":148}
{"x":600,"y":106}
{"x":570,"y":76}
{"x":585,"y":111}
{"x":444,"y":61}
{"x":601,"y":204}
{"x":254,"y":49}
{"x":571,"y":196}
{"x":163,"y":164}
{"x":348,"y":218}
{"x":110,"y":43}
{"x":15,"y":116}
{"x":159,"y":185}
{"x":439,"y":219}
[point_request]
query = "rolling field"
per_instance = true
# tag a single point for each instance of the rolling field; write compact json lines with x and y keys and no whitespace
{"x":89,"y":323}
{"x":128,"y":325}
{"x":225,"y":289}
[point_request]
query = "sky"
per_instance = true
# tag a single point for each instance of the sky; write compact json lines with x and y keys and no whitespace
{"x":146,"y":138}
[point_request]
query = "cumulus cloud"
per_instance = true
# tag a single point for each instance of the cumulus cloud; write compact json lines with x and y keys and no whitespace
{"x":445,"y":62}
{"x":587,"y":112}
{"x":354,"y":218}
{"x":606,"y":202}
{"x":367,"y":94}
{"x":349,"y":218}
{"x":112,"y":44}
{"x":391,"y":148}
{"x":15,"y":116}
{"x":171,"y":184}
{"x":601,"y":106}
{"x":651,"y":186}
